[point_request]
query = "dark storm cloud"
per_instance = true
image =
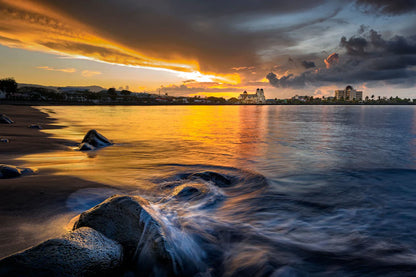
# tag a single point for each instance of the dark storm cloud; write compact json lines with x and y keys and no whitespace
{"x":368,"y":58}
{"x":308,"y":64}
{"x":354,"y":45}
{"x":391,"y":7}
{"x":204,"y":31}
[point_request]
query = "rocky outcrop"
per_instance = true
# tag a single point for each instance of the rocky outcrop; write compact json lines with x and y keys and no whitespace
{"x":123,"y":232}
{"x":121,"y":218}
{"x":5,"y":119}
{"x":82,"y":252}
{"x":10,"y":171}
{"x":131,"y":221}
{"x":94,"y":139}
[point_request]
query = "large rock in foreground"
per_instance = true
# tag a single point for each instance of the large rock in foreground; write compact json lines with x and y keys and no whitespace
{"x":131,"y":221}
{"x":95,"y":139}
{"x":121,"y":218}
{"x":82,"y":252}
{"x":5,"y":119}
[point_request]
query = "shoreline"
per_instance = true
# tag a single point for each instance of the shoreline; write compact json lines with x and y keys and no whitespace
{"x":33,"y":208}
{"x":23,"y":103}
{"x":24,"y":140}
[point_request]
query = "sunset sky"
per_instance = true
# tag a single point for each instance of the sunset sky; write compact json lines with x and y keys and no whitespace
{"x":214,"y":47}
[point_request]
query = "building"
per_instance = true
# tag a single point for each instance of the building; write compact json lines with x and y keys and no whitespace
{"x":257,"y":98}
{"x":349,"y":94}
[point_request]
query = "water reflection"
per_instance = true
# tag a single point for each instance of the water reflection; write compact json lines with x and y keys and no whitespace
{"x":261,"y":190}
{"x":272,"y":140}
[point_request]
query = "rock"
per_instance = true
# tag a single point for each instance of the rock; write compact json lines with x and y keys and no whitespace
{"x":120,"y":218}
{"x":82,"y":252}
{"x":96,"y":139}
{"x":10,"y":171}
{"x":217,"y":178}
{"x":85,"y":146}
{"x":190,"y":191}
{"x":131,"y":221}
{"x":5,"y":119}
{"x":35,"y":126}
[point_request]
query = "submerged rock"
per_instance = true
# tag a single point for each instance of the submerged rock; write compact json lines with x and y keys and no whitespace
{"x":5,"y":119}
{"x":96,"y":139}
{"x":82,"y":252}
{"x":10,"y":171}
{"x":217,"y":178}
{"x":34,"y":126}
{"x":190,"y":191}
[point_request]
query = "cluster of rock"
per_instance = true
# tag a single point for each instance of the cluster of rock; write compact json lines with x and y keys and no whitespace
{"x":121,"y":233}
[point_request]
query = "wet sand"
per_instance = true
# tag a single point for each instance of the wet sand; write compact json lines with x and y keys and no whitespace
{"x":32,"y":208}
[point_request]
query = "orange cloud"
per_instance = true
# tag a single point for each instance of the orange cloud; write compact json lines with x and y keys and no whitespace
{"x":89,"y":73}
{"x":66,"y":70}
{"x":31,"y":26}
{"x":331,"y":60}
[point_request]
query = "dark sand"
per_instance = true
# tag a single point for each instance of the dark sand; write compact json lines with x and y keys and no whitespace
{"x":32,"y":208}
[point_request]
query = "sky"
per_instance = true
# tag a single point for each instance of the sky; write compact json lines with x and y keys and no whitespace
{"x":218,"y":48}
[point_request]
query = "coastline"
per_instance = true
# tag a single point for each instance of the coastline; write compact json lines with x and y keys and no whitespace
{"x":32,"y":208}
{"x":25,"y":103}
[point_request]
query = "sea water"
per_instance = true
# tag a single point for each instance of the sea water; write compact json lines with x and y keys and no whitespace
{"x":309,"y":190}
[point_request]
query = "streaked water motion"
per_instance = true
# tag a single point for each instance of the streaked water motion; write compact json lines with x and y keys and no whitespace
{"x":258,"y":190}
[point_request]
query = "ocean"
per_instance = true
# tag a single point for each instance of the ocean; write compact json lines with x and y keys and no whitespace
{"x":282,"y":190}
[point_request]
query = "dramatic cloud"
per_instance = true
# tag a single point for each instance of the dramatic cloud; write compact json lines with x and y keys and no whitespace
{"x":66,"y":70}
{"x":393,"y":7}
{"x":366,"y":59}
{"x":307,"y":64}
{"x":230,"y":42}
{"x":181,"y":35}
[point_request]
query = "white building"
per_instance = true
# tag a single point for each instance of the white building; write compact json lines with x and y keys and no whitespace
{"x":349,"y":93}
{"x":257,"y":98}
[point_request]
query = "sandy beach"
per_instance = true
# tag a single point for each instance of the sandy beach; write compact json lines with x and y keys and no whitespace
{"x":32,"y":208}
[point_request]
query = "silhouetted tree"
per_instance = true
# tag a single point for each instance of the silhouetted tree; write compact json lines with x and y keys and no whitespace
{"x":125,"y":92}
{"x":8,"y":85}
{"x":112,"y":93}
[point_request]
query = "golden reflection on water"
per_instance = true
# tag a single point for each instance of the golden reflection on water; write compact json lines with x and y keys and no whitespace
{"x":146,"y":137}
{"x":271,"y":140}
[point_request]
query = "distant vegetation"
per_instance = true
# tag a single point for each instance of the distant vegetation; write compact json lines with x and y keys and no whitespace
{"x":10,"y":92}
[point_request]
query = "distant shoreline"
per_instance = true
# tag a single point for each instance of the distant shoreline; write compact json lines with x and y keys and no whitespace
{"x":55,"y":103}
